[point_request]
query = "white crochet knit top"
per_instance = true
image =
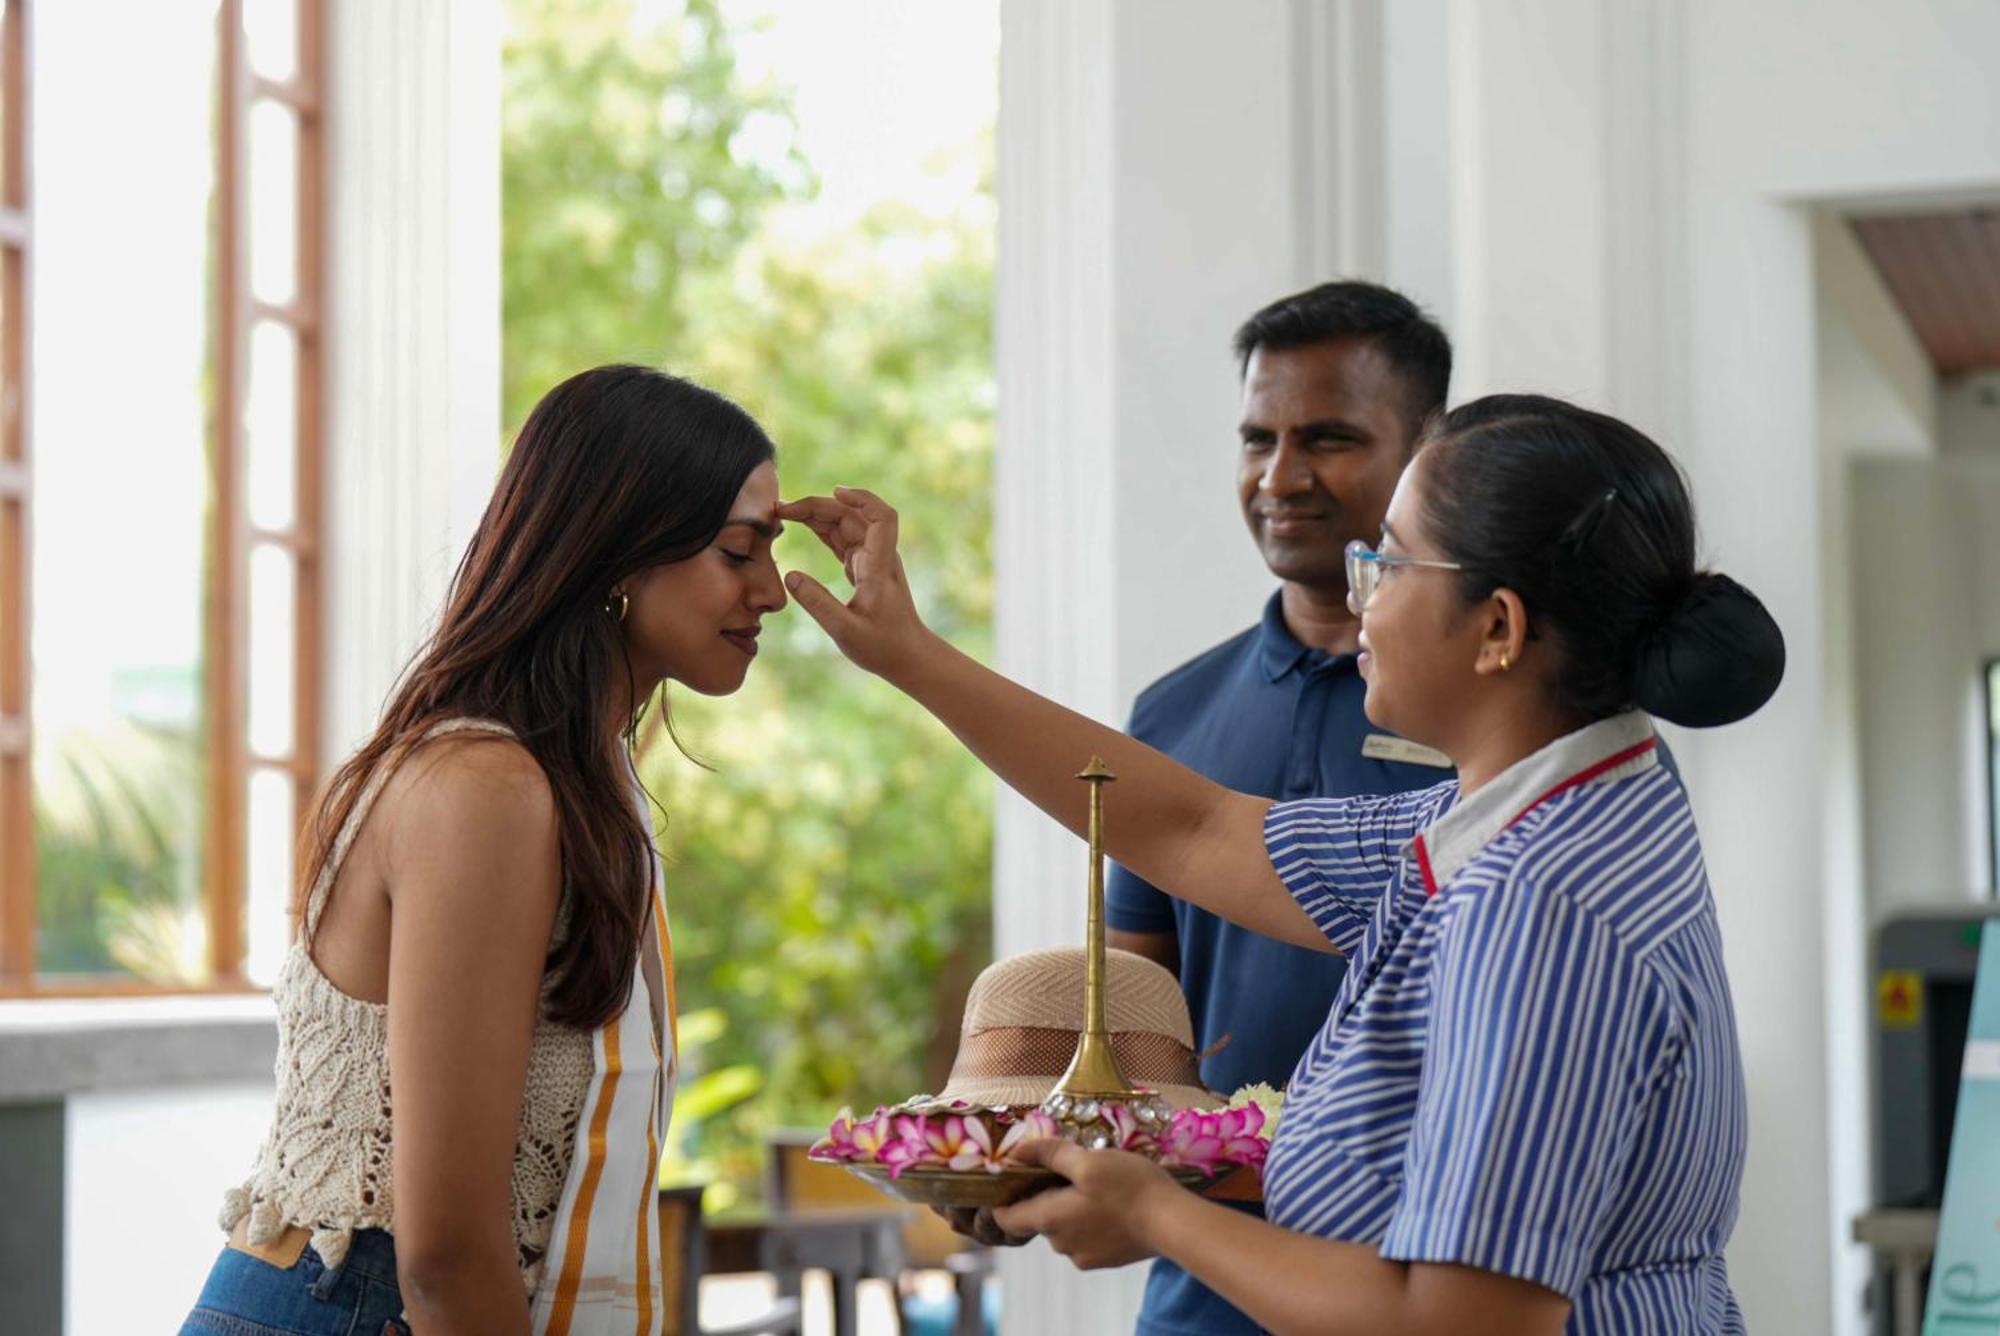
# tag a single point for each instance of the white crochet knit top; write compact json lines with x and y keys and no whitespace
{"x":327,"y":1163}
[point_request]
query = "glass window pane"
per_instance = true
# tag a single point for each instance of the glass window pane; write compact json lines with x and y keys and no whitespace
{"x":273,"y":194}
{"x":272,"y":630}
{"x":269,"y":897}
{"x":271,"y":37}
{"x":121,"y":486}
{"x":271,"y":421}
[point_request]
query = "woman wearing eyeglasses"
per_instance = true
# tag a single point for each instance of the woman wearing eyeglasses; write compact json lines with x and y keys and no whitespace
{"x":1525,"y":1113}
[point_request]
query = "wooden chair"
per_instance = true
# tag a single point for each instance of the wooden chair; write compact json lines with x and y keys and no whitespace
{"x":683,"y":1246}
{"x":793,"y":1182}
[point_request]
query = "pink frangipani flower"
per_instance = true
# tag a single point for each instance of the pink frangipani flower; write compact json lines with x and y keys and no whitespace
{"x":849,"y":1138}
{"x":907,"y":1146}
{"x":1211,"y":1142}
{"x":990,"y":1140}
{"x":838,"y":1143}
{"x":1031,"y":1126}
{"x":872,"y":1135}
{"x":1127,"y":1132}
{"x":961,"y":1144}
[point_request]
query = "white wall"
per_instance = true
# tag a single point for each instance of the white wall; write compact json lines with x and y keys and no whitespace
{"x":1969,"y":415}
{"x":1876,"y":401}
{"x":1187,"y":573}
{"x":144,"y":1176}
{"x":1416,"y":195}
{"x":1923,"y":637}
{"x":1843,"y":896}
{"x":1878,"y":390}
{"x":1971,"y":433}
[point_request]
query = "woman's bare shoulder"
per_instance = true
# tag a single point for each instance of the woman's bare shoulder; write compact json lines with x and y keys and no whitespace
{"x":475,"y":799}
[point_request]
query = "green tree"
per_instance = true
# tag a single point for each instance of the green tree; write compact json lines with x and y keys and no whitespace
{"x":829,"y":871}
{"x":622,"y":177}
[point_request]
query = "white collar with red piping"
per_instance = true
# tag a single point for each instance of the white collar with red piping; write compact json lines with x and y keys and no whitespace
{"x":1614,"y":748}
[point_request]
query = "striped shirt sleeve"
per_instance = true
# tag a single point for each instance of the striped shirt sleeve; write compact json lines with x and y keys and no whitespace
{"x":1545,"y":1037}
{"x":1337,"y":855}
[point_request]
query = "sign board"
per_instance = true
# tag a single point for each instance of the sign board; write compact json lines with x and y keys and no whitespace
{"x":1965,"y":1273}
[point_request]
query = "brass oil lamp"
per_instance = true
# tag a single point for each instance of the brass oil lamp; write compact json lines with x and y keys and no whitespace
{"x":1093,"y":1086}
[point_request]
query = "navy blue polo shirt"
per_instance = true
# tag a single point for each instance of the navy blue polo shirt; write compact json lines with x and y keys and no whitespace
{"x":1263,"y":714}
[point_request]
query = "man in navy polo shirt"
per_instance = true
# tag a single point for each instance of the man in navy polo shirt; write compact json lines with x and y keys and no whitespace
{"x":1337,"y":382}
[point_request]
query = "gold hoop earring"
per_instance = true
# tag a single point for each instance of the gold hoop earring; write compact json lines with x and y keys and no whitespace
{"x":624,"y":605}
{"x":1505,"y":662}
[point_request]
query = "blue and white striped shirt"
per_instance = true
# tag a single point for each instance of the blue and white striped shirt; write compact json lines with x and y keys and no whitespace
{"x":1532,"y":1066}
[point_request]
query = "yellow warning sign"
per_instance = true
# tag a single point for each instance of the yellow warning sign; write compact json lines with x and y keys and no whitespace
{"x":1899,"y":999}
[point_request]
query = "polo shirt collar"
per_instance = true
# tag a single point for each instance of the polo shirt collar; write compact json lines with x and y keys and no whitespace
{"x":1614,"y":748}
{"x":1278,"y":650}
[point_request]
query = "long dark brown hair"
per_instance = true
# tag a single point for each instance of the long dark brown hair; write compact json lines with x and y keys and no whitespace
{"x":617,"y":469}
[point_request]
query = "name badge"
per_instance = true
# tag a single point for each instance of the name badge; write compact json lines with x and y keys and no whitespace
{"x":1383,"y":747}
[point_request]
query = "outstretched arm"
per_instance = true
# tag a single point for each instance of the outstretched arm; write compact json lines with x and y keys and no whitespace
{"x":1186,"y":835}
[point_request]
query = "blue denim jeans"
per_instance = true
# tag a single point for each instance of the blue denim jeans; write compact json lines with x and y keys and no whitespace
{"x":247,"y":1296}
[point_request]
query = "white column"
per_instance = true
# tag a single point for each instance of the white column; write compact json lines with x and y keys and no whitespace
{"x":413,"y":383}
{"x":1416,"y":193}
{"x":1056,"y":368}
{"x":1759,"y":790}
{"x":1338,"y":143}
{"x":1585,"y":253}
{"x":1163,"y":171}
{"x":1055,"y":480}
{"x":1529,"y":197}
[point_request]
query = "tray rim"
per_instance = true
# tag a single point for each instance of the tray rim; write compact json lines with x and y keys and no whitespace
{"x":932,"y":1186}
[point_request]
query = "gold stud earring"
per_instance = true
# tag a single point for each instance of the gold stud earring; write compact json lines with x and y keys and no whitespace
{"x":621,"y":607}
{"x":1505,"y":662}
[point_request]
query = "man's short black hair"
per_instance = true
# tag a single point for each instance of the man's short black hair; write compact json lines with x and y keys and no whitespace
{"x":1411,"y":340}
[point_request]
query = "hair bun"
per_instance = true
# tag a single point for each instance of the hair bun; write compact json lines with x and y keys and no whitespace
{"x":1714,"y":659}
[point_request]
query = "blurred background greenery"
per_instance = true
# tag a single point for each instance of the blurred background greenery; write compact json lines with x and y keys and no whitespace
{"x":829,"y":872}
{"x":117,"y":853}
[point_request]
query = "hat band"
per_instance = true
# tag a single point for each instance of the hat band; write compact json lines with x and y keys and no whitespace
{"x":1147,"y":1059}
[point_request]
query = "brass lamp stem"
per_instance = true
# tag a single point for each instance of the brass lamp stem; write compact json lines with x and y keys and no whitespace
{"x":1094,"y":1070}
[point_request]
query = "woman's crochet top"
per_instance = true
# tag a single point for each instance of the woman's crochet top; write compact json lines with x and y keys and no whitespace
{"x":327,"y":1164}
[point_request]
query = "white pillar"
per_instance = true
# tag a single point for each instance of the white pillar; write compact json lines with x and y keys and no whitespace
{"x":1760,"y":785}
{"x":1416,"y":186}
{"x":1164,"y":170}
{"x":1567,"y":180}
{"x":1586,"y":253}
{"x":413,"y":385}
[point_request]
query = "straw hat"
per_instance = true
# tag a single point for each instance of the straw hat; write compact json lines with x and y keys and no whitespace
{"x":1024,"y":1013}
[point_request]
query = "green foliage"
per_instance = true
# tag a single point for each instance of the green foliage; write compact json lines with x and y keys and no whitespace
{"x":716,"y":1092}
{"x":620,"y":179}
{"x":117,"y":821}
{"x":828,"y":877}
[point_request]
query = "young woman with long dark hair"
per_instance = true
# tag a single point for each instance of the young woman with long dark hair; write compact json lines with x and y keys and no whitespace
{"x":481,"y":910}
{"x":1525,"y":1113}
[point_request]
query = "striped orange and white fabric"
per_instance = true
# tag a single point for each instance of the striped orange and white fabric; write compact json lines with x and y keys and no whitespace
{"x":602,"y":1274}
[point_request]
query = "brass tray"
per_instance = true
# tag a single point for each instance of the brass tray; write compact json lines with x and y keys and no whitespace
{"x":944,"y":1187}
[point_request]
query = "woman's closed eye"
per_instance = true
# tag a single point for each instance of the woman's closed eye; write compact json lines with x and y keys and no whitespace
{"x":736,"y":558}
